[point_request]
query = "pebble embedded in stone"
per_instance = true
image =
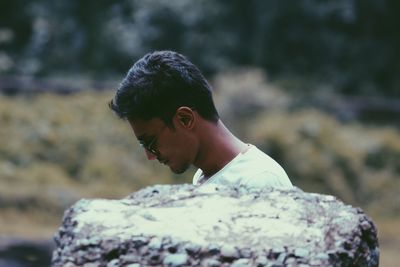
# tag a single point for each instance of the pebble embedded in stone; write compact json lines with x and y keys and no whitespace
{"x":228,"y":251}
{"x":175,"y":260}
{"x":241,"y":263}
{"x":113,"y":263}
{"x":130,"y":258}
{"x":261,"y":260}
{"x":192,"y":248}
{"x":245,"y":252}
{"x":213,"y":249}
{"x":281,"y":258}
{"x":210,"y":263}
{"x":322,"y":256}
{"x":365,"y":225}
{"x":155,"y":243}
{"x":290,"y":260}
{"x":301,"y":252}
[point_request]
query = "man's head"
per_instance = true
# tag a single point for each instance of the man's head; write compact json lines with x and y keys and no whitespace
{"x":165,"y":98}
{"x":158,"y":84}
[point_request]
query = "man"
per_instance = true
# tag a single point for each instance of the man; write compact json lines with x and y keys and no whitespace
{"x":170,"y":108}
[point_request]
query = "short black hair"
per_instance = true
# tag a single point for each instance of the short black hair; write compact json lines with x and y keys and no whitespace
{"x":158,"y":84}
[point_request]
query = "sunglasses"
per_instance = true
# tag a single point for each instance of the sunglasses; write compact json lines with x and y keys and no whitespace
{"x":151,"y":146}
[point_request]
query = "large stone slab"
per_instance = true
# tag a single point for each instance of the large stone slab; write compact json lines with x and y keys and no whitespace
{"x":182,"y":225}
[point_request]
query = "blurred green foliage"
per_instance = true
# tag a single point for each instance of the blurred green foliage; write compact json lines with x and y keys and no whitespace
{"x":352,"y":46}
{"x":56,"y":149}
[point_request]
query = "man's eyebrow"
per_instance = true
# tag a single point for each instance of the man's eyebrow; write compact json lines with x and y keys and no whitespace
{"x":143,"y":137}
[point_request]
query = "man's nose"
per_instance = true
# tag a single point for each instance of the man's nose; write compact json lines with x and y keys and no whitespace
{"x":150,"y":156}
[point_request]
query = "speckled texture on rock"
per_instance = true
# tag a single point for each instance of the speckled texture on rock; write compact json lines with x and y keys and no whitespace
{"x":181,"y":225}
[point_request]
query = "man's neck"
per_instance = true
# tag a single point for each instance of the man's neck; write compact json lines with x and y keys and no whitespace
{"x":218,"y":146}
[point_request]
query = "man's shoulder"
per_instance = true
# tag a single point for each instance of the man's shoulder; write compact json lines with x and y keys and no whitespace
{"x":261,"y":170}
{"x":256,"y":158}
{"x":252,"y":167}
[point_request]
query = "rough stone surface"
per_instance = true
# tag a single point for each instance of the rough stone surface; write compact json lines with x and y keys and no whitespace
{"x":182,"y":225}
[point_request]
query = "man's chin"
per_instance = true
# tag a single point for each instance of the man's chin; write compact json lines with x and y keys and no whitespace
{"x":178,"y":170}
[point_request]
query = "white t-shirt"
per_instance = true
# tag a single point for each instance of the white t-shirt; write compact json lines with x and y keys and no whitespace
{"x":252,"y":168}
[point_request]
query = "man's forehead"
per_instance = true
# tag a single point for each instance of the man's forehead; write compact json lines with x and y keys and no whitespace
{"x":143,"y":128}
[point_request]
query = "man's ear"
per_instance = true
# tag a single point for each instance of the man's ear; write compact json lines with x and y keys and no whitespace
{"x":186,"y":117}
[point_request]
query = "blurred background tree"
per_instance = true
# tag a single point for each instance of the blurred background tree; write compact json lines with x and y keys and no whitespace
{"x":351,"y":45}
